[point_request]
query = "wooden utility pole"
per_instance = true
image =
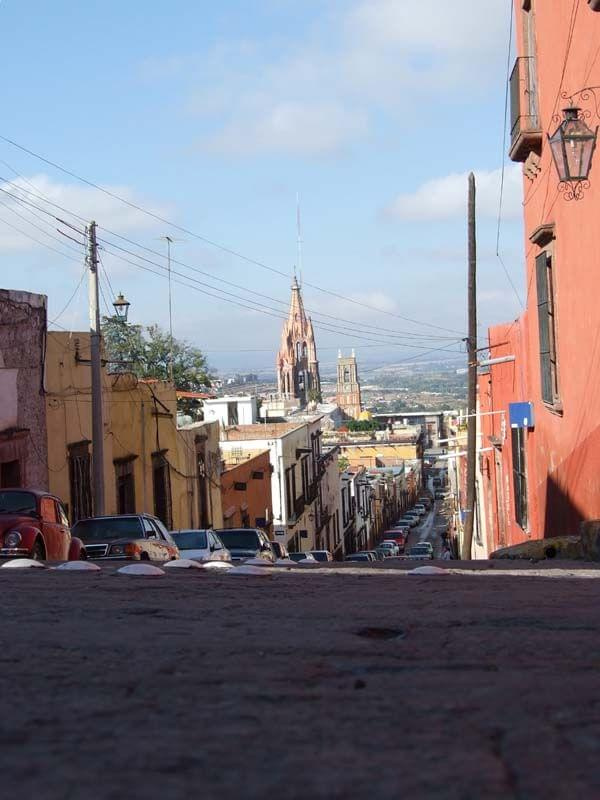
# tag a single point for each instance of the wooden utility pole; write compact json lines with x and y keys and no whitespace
{"x":95,"y":348}
{"x":472,"y":367}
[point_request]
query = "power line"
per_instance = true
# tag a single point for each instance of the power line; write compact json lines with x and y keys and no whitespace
{"x":259,"y":307}
{"x":71,"y":298}
{"x":210,"y":242}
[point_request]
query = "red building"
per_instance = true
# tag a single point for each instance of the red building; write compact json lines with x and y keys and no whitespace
{"x":246,"y":491}
{"x":540,"y":470}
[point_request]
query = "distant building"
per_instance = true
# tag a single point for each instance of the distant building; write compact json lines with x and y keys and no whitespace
{"x":231,"y":410}
{"x":348,"y":388}
{"x":305,"y":481}
{"x":246,"y":490}
{"x":23,"y":442}
{"x":297,"y":364}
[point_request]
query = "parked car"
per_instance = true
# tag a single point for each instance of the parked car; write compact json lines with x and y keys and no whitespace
{"x":245,"y":543}
{"x":136,"y":537}
{"x":421,"y":551}
{"x":364,"y":557}
{"x":377,"y":554}
{"x":396,"y":536}
{"x":420,"y":509}
{"x":280,"y":550}
{"x":200,"y":545}
{"x":412,"y":519}
{"x":391,"y":546}
{"x":322,"y":555}
{"x":34,"y":524}
{"x":370,"y":553}
{"x":426,"y":501}
{"x":383,"y":552}
{"x":297,"y":557}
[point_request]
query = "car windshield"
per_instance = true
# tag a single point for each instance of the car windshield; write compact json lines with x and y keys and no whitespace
{"x":319,"y":555}
{"x":190,"y":540}
{"x":105,"y":529}
{"x":298,"y":556}
{"x":17,"y":503}
{"x":415,"y":551}
{"x":240,"y":540}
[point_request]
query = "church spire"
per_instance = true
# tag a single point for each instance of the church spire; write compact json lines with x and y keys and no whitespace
{"x":297,"y":364}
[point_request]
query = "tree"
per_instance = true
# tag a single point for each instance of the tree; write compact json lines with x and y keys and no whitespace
{"x":343,"y":463}
{"x":147,"y":353}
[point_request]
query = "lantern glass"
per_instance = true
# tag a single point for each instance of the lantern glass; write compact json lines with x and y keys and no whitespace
{"x":121,"y":306}
{"x":572,"y":147}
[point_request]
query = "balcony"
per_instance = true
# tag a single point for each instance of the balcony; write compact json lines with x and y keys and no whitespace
{"x":525,"y":130}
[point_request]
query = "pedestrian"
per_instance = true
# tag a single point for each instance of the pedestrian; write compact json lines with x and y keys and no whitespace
{"x":446,"y":555}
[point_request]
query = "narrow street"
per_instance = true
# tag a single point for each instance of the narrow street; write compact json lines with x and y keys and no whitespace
{"x":304,"y":685}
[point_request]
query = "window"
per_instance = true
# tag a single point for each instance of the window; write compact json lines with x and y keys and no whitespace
{"x":48,"y":510}
{"x":161,"y":481}
{"x":290,"y":490}
{"x":239,"y":486}
{"x":203,"y":489}
{"x":10,"y":475}
{"x":62,"y":515}
{"x":80,"y":480}
{"x":258,"y":475}
{"x":519,"y":475}
{"x":305,"y":476}
{"x":547,"y":329}
{"x":125,"y":484}
{"x":232,"y":413}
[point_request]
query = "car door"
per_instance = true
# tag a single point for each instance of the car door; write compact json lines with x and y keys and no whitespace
{"x":217,"y":551}
{"x":166,"y":548}
{"x":65,"y":530}
{"x":51,"y":529}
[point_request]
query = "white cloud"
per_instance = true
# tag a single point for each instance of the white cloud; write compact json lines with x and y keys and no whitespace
{"x":323,"y":92}
{"x":291,"y":127}
{"x":446,"y":197}
{"x":85,"y":201}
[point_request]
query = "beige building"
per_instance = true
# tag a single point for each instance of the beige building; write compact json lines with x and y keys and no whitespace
{"x":150,"y":465}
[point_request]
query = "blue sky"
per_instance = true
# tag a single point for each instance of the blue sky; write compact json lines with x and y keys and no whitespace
{"x":215,"y":115}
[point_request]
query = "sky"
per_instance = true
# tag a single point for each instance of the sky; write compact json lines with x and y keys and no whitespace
{"x":215,"y":117}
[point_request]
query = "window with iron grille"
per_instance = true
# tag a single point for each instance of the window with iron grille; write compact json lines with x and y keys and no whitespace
{"x":80,"y":480}
{"x":161,"y":482}
{"x":547,"y":329}
{"x":258,"y":475}
{"x":239,"y":486}
{"x":519,"y":460}
{"x":125,"y":484}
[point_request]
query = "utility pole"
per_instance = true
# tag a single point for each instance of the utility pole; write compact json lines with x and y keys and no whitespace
{"x":472,"y":374}
{"x":95,"y":347}
{"x":169,"y":242}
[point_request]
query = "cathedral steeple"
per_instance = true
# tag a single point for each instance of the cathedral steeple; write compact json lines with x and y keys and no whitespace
{"x":297,"y":364}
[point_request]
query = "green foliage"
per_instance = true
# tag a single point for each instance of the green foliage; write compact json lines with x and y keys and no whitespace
{"x":343,"y":463}
{"x":363,"y":425}
{"x":314,"y":396}
{"x":146,"y":353}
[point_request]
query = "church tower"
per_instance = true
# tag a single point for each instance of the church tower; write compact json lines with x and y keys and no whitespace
{"x":348,"y":388}
{"x":297,"y":365}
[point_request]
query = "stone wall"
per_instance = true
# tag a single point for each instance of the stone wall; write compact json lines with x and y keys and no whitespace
{"x":23,"y":441}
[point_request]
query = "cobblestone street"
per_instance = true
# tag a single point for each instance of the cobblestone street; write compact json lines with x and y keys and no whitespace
{"x":330,"y":684}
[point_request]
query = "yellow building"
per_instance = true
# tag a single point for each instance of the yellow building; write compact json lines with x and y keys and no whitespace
{"x":150,"y":465}
{"x":379,"y":454}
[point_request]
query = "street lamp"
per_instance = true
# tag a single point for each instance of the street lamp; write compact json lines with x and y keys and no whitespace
{"x":572,"y":146}
{"x":121,"y":306}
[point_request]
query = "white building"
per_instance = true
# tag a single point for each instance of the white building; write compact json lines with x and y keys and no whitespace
{"x":232,"y":410}
{"x":301,"y":474}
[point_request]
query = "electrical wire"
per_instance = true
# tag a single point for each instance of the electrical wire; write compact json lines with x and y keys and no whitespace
{"x":211,"y":242}
{"x":71,"y":298}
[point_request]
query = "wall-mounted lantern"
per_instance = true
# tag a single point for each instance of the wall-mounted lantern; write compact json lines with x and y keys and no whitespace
{"x":572,"y":146}
{"x":121,"y":306}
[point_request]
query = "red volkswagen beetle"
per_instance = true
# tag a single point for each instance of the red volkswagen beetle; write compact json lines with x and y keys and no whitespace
{"x":34,"y":524}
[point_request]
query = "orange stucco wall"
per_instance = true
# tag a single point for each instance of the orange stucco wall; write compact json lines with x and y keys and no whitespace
{"x":563,"y":448}
{"x":252,"y":503}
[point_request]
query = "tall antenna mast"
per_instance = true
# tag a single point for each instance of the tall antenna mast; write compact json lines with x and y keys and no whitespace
{"x":299,"y":239}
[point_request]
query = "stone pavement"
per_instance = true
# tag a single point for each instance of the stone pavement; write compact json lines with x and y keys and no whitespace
{"x":344,"y":683}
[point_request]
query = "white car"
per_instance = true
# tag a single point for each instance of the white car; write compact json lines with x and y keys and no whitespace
{"x":201,"y":545}
{"x":390,"y":545}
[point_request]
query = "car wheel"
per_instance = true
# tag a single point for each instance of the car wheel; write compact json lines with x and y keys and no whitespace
{"x":144,"y":557}
{"x":37,"y":551}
